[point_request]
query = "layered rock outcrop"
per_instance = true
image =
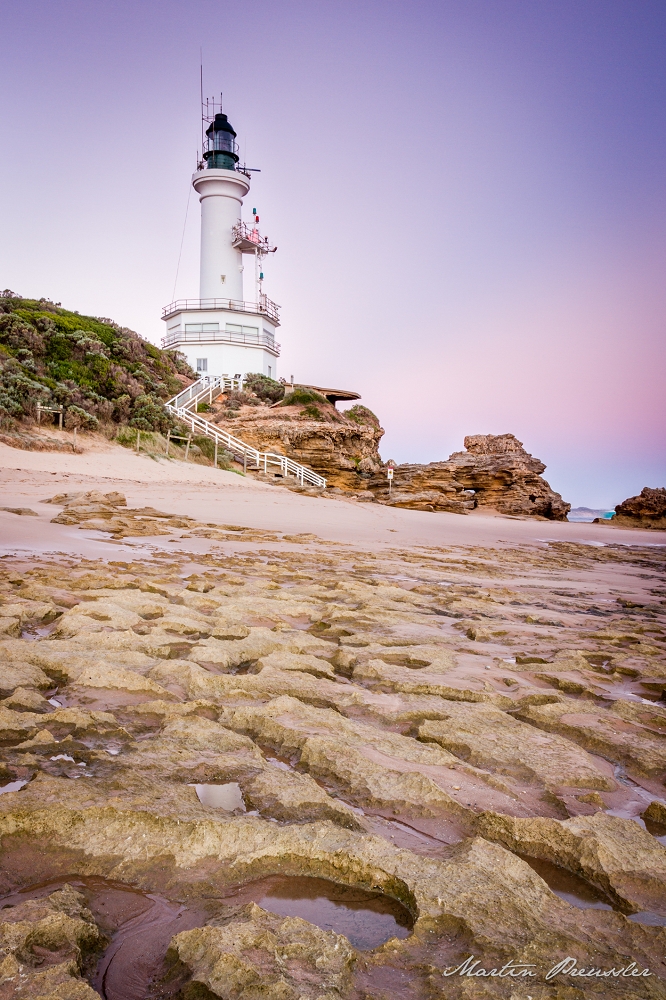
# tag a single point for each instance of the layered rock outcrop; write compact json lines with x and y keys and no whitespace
{"x":647,"y":510}
{"x":494,"y":471}
{"x":343,"y":447}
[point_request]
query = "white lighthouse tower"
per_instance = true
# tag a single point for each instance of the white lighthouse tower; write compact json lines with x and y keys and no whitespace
{"x":230,"y":329}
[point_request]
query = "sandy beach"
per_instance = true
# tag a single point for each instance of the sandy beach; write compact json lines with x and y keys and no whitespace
{"x":226,"y":497}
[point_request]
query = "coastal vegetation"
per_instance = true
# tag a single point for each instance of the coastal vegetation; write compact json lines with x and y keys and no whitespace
{"x":100,"y":373}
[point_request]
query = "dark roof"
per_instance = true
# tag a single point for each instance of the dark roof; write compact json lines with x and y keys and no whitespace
{"x":332,"y":395}
{"x":220,"y":124}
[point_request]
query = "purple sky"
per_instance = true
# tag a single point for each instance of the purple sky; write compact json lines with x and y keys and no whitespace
{"x":468,"y":200}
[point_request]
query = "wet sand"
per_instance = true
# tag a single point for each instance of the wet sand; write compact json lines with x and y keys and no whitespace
{"x":210,"y":495}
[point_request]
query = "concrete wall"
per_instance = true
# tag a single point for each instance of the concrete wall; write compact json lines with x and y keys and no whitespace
{"x":230,"y":359}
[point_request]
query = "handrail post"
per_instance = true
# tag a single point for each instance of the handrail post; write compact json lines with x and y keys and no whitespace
{"x":216,"y":453}
{"x":187,"y":448}
{"x":166,"y":454}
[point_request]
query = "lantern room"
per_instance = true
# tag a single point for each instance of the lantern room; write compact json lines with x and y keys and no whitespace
{"x":221,"y":147}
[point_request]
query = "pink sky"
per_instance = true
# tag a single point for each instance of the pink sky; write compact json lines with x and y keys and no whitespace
{"x":468,"y":200}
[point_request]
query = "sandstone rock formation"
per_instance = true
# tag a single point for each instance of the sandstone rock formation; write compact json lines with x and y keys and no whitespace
{"x":342,"y":446}
{"x":495,"y":471}
{"x":647,"y":510}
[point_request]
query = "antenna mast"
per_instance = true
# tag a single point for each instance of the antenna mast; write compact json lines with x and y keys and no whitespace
{"x":201,"y":97}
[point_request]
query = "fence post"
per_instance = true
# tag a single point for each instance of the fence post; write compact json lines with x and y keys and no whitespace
{"x":138,"y":441}
{"x":216,"y":453}
{"x":244,"y":462}
{"x":60,"y":418}
{"x":39,"y":413}
{"x":74,"y":444}
{"x":187,"y":447}
{"x":168,"y":442}
{"x":265,"y":463}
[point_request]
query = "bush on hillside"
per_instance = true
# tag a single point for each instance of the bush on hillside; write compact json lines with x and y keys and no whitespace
{"x":312,"y":412}
{"x":99,"y":371}
{"x":301,"y":397}
{"x":265,"y":388}
{"x":361,"y":415}
{"x":235,"y":399}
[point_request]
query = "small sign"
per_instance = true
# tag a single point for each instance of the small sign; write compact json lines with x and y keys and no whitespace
{"x":389,"y":472}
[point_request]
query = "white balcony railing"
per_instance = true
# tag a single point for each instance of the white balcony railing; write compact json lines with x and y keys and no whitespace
{"x":179,"y":336}
{"x":264,"y":307}
{"x":184,"y":408}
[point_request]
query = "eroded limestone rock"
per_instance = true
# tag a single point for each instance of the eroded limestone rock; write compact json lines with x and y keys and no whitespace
{"x":43,"y":944}
{"x":260,"y":954}
{"x":498,"y":470}
{"x":647,"y":510}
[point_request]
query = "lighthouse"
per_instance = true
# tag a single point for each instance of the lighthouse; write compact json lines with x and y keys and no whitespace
{"x":230,"y":329}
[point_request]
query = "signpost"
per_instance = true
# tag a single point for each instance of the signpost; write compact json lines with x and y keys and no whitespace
{"x":389,"y":476}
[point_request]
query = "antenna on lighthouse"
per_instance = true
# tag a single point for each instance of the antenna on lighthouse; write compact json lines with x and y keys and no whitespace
{"x":201,"y":95}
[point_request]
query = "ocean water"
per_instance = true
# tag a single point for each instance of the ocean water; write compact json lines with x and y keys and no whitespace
{"x":588,"y":514}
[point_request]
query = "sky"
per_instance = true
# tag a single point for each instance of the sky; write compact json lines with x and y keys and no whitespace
{"x":468,"y":199}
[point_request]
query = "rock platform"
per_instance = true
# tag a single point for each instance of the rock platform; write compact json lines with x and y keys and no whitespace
{"x":458,"y":730}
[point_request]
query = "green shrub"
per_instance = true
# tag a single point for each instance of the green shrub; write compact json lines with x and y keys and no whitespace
{"x":204,"y":407}
{"x":361,"y":415}
{"x":96,"y":369}
{"x":313,"y":412}
{"x":148,"y":414}
{"x":267,"y":389}
{"x":301,"y":397}
{"x":76,"y":416}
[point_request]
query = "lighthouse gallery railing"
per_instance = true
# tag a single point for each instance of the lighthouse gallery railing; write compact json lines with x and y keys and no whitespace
{"x":264,"y":307}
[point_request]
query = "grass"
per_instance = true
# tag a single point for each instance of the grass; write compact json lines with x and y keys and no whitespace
{"x":154,"y":444}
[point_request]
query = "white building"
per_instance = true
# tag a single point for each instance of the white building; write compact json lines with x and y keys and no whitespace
{"x":224,"y":331}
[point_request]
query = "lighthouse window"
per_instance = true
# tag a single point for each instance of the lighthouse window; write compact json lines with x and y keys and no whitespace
{"x":236,"y":330}
{"x":202,"y":327}
{"x":202,"y":364}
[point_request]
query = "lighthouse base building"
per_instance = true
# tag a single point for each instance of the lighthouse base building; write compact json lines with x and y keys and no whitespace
{"x":223,"y":336}
{"x":223,"y":332}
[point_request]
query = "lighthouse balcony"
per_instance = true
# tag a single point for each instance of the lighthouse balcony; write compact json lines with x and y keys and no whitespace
{"x":210,"y":333}
{"x":248,"y":240}
{"x":264,"y":307}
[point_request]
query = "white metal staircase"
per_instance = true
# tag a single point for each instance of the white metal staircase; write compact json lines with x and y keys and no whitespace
{"x":184,"y":408}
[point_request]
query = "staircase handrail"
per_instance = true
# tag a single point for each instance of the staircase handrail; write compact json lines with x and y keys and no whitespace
{"x":184,"y":403}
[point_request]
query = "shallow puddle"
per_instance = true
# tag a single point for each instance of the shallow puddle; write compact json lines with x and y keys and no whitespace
{"x":13,"y":786}
{"x":647,"y":917}
{"x":569,"y":887}
{"x":35,"y":632}
{"x":140,"y":926}
{"x":227,"y":796}
{"x":368,"y":919}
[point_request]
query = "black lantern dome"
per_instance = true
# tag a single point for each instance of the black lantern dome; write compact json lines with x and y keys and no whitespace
{"x":221,"y":142}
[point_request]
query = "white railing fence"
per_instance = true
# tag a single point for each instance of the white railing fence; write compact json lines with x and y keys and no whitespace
{"x":184,"y":405}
